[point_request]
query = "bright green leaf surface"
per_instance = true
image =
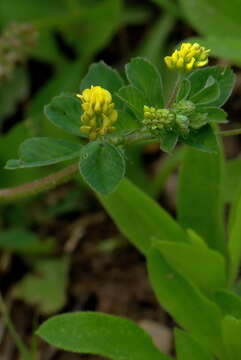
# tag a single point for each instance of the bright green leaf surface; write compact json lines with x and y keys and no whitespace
{"x":143,"y":75}
{"x":190,"y":309}
{"x":44,"y":151}
{"x":134,"y":98}
{"x":214,"y":17}
{"x":208,"y":94}
{"x":189,"y":349}
{"x":65,"y":111}
{"x":202,"y":139}
{"x":203,"y":266}
{"x":200,"y":203}
{"x":232,"y":179}
{"x":224,"y":76}
{"x":229,"y":302}
{"x":234,"y":244}
{"x":231,"y":337}
{"x":216,"y":114}
{"x":168,"y":142}
{"x":184,"y":90}
{"x":102,"y":166}
{"x":99,"y":334}
{"x":139,"y":217}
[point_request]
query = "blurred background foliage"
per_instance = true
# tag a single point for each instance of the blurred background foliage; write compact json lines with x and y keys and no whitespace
{"x":45,"y":49}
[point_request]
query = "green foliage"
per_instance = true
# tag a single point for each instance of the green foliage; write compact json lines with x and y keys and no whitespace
{"x":49,"y":277}
{"x":200,"y":192}
{"x":24,"y":243}
{"x":231,"y":337}
{"x":188,"y":349}
{"x":221,"y":17}
{"x":64,"y":111}
{"x":181,"y":298}
{"x":44,"y":151}
{"x":234,"y":245}
{"x":134,"y":98}
{"x":189,"y":259}
{"x":232,"y":179}
{"x":200,"y":79}
{"x":102,"y":166}
{"x":129,"y":207}
{"x":100,"y":334}
{"x":102,"y":75}
{"x":221,"y":28}
{"x":12,"y":91}
{"x":143,"y":75}
{"x":208,"y":94}
{"x":229,"y":302}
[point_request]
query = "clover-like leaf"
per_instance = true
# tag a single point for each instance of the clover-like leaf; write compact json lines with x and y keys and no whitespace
{"x":102,"y":166}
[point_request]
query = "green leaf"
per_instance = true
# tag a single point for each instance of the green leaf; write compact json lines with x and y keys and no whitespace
{"x":229,"y":302}
{"x":95,"y":27}
{"x":231,"y":337}
{"x":143,"y":75}
{"x":214,"y":17}
{"x":208,"y":94}
{"x":102,"y":166}
{"x":183,"y":90}
{"x":200,"y":203}
{"x":188,"y":349}
{"x":227,"y":47}
{"x":26,"y":11}
{"x":99,"y":334}
{"x":134,"y":98}
{"x":49,"y":277}
{"x":127,"y":122}
{"x":139,"y":217}
{"x":44,"y":151}
{"x":224,"y":76}
{"x":232,"y":179}
{"x":234,"y":230}
{"x":187,"y":305}
{"x":202,"y":139}
{"x":168,"y":142}
{"x":24,"y":242}
{"x":103,"y":75}
{"x":65,"y":111}
{"x":13,"y":90}
{"x":215,"y":114}
{"x":206,"y":268}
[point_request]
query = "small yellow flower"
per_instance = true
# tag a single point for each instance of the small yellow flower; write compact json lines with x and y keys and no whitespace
{"x":188,"y":57}
{"x":99,"y":113}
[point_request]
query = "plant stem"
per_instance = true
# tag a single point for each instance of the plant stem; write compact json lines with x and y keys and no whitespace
{"x":8,"y":322}
{"x":230,"y":132}
{"x":9,"y":195}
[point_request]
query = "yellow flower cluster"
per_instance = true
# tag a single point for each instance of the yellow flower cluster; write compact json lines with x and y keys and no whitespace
{"x":188,"y":57}
{"x":99,"y":113}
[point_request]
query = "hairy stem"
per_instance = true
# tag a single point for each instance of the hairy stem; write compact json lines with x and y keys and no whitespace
{"x":9,"y":195}
{"x":230,"y":132}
